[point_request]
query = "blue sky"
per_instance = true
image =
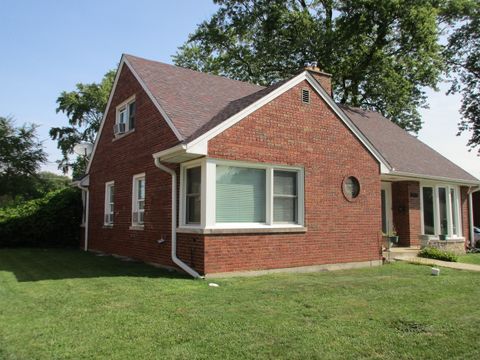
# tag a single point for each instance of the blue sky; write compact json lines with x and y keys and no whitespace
{"x":48,"y":46}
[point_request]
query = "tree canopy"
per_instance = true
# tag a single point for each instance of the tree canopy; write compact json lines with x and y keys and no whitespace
{"x":463,"y":59}
{"x":21,"y":154}
{"x":84,"y":109}
{"x":382,"y":53}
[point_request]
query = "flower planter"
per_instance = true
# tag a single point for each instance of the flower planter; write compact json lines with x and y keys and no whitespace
{"x":393,"y":239}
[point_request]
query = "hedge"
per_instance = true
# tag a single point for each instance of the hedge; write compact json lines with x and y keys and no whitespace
{"x":51,"y":221}
{"x":434,"y":253}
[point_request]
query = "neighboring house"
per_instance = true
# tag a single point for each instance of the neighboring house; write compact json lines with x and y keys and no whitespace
{"x":263,"y":178}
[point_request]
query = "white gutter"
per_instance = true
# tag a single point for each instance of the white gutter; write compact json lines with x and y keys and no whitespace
{"x":175,"y":259}
{"x":470,"y":214}
{"x":83,"y":188}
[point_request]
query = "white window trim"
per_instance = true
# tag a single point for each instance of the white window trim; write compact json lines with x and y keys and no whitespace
{"x":208,"y":195}
{"x":436,"y":209}
{"x":135,"y":200}
{"x":106,"y":211}
{"x":125,"y":104}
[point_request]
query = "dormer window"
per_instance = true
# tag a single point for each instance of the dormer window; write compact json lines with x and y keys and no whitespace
{"x":125,"y":118}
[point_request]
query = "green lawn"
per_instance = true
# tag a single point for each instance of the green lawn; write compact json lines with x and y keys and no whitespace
{"x":59,"y":304}
{"x":470,"y":258}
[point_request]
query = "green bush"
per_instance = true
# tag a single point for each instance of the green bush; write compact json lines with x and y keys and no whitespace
{"x":51,"y":221}
{"x":434,"y":253}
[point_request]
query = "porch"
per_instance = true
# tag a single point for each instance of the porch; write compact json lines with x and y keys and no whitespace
{"x":425,"y":213}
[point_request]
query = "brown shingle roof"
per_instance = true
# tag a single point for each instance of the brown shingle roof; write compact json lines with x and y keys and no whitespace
{"x":196,"y":102}
{"x":191,"y":99}
{"x":403,"y":151}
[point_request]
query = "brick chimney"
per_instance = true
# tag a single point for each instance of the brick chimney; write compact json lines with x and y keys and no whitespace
{"x":323,"y":78}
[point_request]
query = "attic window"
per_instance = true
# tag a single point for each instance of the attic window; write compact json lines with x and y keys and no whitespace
{"x":125,"y":117}
{"x":306,"y":96}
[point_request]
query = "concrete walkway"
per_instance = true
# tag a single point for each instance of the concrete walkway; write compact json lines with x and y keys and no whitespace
{"x":447,"y":264}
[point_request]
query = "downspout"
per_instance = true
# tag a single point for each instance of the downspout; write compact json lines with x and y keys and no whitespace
{"x":83,"y":188}
{"x":175,"y":259}
{"x":471,"y":190}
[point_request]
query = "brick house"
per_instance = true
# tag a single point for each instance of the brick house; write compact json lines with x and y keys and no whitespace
{"x":213,"y":175}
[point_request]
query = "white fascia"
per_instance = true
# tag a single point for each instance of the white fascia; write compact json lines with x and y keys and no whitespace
{"x":418,"y":177}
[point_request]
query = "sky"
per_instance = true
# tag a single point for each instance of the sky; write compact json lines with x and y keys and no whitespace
{"x":49,"y":46}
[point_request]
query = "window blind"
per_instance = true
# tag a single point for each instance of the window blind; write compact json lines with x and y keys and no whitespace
{"x":240,"y":194}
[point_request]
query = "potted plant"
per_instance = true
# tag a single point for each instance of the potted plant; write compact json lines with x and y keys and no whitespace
{"x":392,"y":237}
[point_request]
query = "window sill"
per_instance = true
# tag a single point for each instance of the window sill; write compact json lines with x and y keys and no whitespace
{"x":244,"y":230}
{"x":436,"y":238}
{"x":118,"y":137}
{"x":107,"y":226}
{"x":136,"y":227}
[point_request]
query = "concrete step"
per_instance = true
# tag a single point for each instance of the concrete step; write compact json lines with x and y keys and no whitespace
{"x":401,"y":253}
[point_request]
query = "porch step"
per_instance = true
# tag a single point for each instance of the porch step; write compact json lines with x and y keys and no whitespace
{"x":400,"y":253}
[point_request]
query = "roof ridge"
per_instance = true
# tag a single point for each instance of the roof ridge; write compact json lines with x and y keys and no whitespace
{"x":195,"y":71}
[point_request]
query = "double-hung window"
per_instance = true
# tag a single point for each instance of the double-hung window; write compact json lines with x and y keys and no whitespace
{"x":109,"y":202}
{"x":125,"y":120}
{"x":285,"y":196}
{"x":193,"y":198}
{"x":440,"y":210}
{"x":138,"y":199}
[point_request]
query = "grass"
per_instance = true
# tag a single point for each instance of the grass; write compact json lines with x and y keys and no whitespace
{"x":65,"y":304}
{"x":470,"y":258}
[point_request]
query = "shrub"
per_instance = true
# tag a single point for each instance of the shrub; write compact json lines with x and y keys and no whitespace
{"x":437,"y":254}
{"x":51,"y":221}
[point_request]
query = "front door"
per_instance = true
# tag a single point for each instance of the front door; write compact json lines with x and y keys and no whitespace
{"x":386,"y":200}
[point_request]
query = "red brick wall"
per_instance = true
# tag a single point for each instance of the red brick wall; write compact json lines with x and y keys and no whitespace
{"x":119,"y":160}
{"x":288,"y":132}
{"x":285,"y":132}
{"x":406,"y":212}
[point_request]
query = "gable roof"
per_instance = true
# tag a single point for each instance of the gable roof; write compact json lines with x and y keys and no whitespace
{"x":197,"y":106}
{"x":403,"y":151}
{"x":193,"y":99}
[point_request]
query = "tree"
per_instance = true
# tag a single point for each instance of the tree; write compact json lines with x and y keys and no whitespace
{"x":382,"y":53}
{"x":463,"y":58}
{"x":84,"y":109}
{"x":21,"y":154}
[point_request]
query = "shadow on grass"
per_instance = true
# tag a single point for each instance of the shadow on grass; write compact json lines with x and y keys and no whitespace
{"x":55,"y":264}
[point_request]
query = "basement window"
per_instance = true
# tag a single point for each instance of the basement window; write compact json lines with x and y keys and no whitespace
{"x":306,"y":96}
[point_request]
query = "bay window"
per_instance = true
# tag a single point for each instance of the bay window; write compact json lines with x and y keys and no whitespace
{"x":220,"y":194}
{"x":440,"y":214}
